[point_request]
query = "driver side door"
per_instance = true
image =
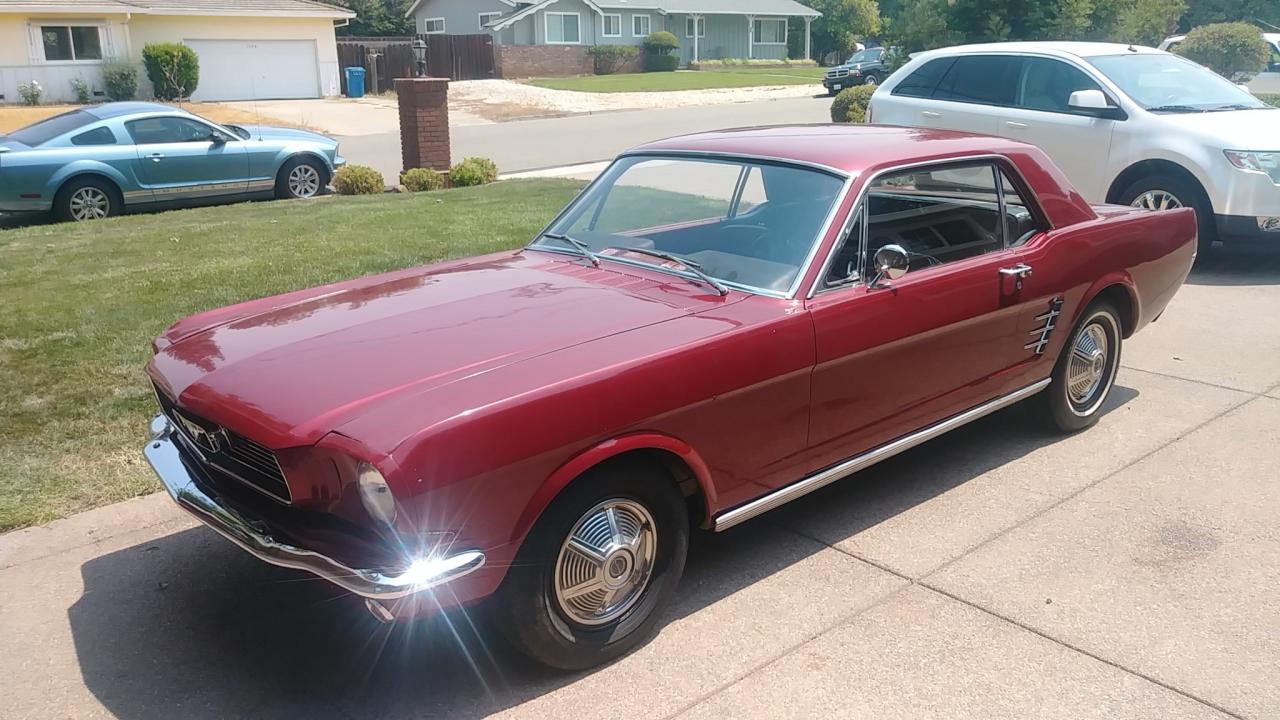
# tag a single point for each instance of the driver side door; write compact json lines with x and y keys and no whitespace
{"x":896,"y":356}
{"x":178,"y":159}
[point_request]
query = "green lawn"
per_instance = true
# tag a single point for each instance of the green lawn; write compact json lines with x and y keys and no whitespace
{"x":684,"y":80}
{"x":81,"y":304}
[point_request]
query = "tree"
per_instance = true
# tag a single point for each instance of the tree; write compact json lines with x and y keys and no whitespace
{"x":921,"y":25}
{"x":1147,"y":22}
{"x":1230,"y":49}
{"x":842,"y":23}
{"x":377,"y":18}
{"x":1205,"y":12}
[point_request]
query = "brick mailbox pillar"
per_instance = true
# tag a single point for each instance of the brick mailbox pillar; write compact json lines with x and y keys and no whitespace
{"x":424,"y":122}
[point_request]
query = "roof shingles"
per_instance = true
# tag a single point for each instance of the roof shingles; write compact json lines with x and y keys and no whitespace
{"x":267,"y":8}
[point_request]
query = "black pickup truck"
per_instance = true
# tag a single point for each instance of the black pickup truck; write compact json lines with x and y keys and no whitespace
{"x":865,"y":67}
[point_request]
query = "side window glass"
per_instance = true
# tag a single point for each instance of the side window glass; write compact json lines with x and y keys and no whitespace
{"x":1020,"y":224}
{"x":96,"y":136}
{"x":982,"y":79}
{"x":922,"y":81}
{"x":1048,"y":84}
{"x":938,"y":216}
{"x":156,"y":130}
{"x":844,"y":265}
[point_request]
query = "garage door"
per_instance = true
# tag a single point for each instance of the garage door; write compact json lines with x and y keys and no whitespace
{"x":256,"y":69}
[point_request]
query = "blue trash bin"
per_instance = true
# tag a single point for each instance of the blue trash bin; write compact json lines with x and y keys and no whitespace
{"x":355,"y":82}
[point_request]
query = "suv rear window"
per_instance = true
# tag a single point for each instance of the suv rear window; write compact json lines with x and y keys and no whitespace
{"x":42,"y":132}
{"x":985,"y":79}
{"x":922,"y":82}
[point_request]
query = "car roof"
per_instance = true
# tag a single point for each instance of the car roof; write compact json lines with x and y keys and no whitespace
{"x":1077,"y":49}
{"x":111,"y":110}
{"x":847,"y":149}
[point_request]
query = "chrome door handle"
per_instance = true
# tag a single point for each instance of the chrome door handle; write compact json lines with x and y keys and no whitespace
{"x":1021,"y":270}
{"x":156,"y":157}
{"x":930,"y":114}
{"x":1016,"y":125}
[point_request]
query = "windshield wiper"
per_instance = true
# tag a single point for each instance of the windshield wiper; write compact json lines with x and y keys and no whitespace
{"x":583,"y":249}
{"x":1238,"y":106}
{"x":693,"y":266}
{"x":1175,"y":109}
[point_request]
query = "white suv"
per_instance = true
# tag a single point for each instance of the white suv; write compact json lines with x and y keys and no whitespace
{"x":1128,"y":125}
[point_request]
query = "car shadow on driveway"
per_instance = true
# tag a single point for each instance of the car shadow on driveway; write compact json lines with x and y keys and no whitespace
{"x":189,"y":626}
{"x":1238,"y":265}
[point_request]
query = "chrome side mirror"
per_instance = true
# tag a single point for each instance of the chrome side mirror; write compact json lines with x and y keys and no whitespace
{"x":891,"y":262}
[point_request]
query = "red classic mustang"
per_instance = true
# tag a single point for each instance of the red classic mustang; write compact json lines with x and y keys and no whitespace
{"x":719,"y":324}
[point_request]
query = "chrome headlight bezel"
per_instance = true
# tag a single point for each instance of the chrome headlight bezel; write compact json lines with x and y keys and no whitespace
{"x":375,"y":494}
{"x":1265,"y":162}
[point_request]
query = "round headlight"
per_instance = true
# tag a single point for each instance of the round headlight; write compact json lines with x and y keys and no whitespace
{"x":375,"y":494}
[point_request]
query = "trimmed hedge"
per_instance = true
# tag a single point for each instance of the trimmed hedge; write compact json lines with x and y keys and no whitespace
{"x":609,"y":59}
{"x":1233,"y":50}
{"x":749,"y":62}
{"x":473,"y":171}
{"x":661,"y":63}
{"x":851,"y":105}
{"x":421,"y":179}
{"x":120,"y":81}
{"x":358,"y":180}
{"x":173,"y":68}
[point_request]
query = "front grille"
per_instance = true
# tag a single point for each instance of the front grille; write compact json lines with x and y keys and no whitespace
{"x":835,"y":74}
{"x":226,"y":452}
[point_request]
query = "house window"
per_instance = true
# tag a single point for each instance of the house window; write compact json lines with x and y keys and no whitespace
{"x":770,"y":32}
{"x":688,"y":27}
{"x":486,"y":18}
{"x":640,"y":25}
{"x":612,"y":26}
{"x":71,"y":42}
{"x":433,"y":26}
{"x":564,"y":28}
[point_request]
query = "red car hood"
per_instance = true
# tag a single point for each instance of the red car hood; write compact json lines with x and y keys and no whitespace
{"x":287,"y":370}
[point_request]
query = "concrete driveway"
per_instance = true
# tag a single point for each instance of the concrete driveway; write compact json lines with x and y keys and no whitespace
{"x":1129,"y":571}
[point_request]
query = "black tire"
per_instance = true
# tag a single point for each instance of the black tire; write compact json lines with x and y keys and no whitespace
{"x":1188,"y":194}
{"x":831,"y":92}
{"x":527,"y":608}
{"x":871,"y":79}
{"x":1069,"y":410}
{"x":286,"y":189}
{"x":87,"y":198}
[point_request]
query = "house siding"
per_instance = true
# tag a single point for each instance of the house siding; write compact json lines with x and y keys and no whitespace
{"x":21,"y":60}
{"x":588,"y":21}
{"x":461,"y":17}
{"x":655,"y":24}
{"x":727,"y":36}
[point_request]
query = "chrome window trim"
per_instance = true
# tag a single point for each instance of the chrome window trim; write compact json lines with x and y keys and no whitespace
{"x":998,"y":160}
{"x":793,"y":291}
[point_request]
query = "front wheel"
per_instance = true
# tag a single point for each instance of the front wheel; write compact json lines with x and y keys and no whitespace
{"x":300,"y":178}
{"x":871,"y":79}
{"x":1085,"y":372}
{"x":598,"y":568}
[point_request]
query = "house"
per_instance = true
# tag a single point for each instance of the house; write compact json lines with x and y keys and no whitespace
{"x":706,"y":29}
{"x":248,"y":50}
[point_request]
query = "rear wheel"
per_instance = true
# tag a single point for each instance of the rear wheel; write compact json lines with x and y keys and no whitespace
{"x":1168,"y":192}
{"x":592,"y":578}
{"x":301,"y":178}
{"x":1085,"y":372}
{"x":86,"y":199}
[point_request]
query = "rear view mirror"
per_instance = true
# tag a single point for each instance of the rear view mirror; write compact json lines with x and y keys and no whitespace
{"x":890,"y":262}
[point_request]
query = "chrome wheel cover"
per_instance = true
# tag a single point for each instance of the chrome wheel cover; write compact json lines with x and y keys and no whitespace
{"x":1157,"y":200}
{"x":89,"y":203}
{"x":1087,"y":368}
{"x":606,"y":562}
{"x":304,"y":181}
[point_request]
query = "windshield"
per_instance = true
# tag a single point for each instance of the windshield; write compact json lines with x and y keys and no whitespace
{"x":42,"y":132}
{"x":1169,"y":82}
{"x":870,"y":55}
{"x":750,"y":225}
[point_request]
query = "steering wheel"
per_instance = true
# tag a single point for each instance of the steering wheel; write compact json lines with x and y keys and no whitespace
{"x":754,"y":237}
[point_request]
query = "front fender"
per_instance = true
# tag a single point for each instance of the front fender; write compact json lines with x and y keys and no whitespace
{"x":606,"y":450}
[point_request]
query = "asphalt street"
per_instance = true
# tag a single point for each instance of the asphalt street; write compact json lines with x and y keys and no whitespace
{"x":575,"y":139}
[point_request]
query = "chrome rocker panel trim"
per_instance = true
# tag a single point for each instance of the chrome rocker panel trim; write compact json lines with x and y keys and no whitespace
{"x":162,"y":453}
{"x":786,"y":494}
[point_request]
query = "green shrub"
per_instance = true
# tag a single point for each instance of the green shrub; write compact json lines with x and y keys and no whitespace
{"x":749,"y":62}
{"x":473,"y":171}
{"x":661,"y":43}
{"x":80,"y":87}
{"x":120,"y":81}
{"x":422,"y":179}
{"x":851,"y":105}
{"x":358,"y":180}
{"x":609,"y":59}
{"x":1232,"y":50}
{"x":173,"y":68}
{"x":661,"y":63}
{"x":30,"y":92}
{"x":1273,"y":99}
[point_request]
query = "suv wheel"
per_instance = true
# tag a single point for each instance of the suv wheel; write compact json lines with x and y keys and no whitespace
{"x":1167,"y":192}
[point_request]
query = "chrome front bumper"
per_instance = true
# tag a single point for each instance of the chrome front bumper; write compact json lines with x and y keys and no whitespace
{"x":421,"y":574}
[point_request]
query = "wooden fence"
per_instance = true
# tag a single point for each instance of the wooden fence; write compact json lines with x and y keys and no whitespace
{"x":457,"y":57}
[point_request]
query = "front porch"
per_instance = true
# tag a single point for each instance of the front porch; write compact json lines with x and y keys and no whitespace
{"x":719,"y":36}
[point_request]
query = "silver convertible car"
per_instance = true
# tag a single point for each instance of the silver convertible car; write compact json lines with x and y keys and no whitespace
{"x":103,"y":160}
